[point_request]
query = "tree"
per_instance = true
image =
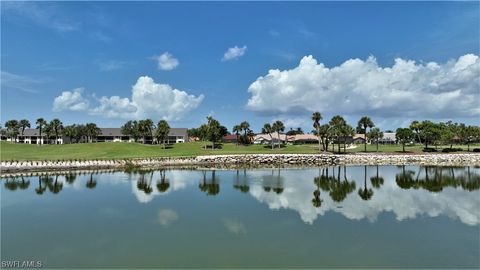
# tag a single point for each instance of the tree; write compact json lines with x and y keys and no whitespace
{"x":23,"y":124}
{"x":236,"y":130}
{"x":70,"y":131}
{"x":215,"y":131}
{"x":131,"y":128}
{"x":470,"y":134}
{"x":375,"y":135}
{"x":404,"y":135}
{"x":162,"y":131}
{"x":203,"y":134}
{"x":12,"y":129}
{"x":92,"y":131}
{"x":337,"y":124}
{"x":347,"y":131}
{"x":415,"y":126}
{"x":91,"y":183}
{"x":57,"y":126}
{"x":364,"y":123}
{"x":146,"y":128}
{"x":430,"y":132}
{"x":316,"y":117}
{"x":267,"y":129}
{"x":376,"y":180}
{"x":163,"y":184}
{"x":245,"y":127}
{"x":80,"y":133}
{"x":278,"y":127}
{"x":41,"y":123}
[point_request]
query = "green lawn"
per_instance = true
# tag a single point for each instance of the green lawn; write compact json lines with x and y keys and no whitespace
{"x":11,"y":151}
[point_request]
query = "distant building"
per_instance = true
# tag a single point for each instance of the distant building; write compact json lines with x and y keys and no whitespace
{"x":32,"y":136}
{"x":388,"y":138}
{"x":230,"y":138}
{"x":359,"y":138}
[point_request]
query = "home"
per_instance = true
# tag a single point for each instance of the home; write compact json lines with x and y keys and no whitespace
{"x":388,"y":138}
{"x":230,"y":138}
{"x":359,"y":138}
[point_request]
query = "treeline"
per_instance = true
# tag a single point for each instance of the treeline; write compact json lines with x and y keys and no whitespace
{"x":146,"y":128}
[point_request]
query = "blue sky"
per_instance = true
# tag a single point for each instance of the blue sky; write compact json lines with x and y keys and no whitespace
{"x":67,"y":60}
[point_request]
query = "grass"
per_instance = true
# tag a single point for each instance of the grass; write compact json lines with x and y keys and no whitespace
{"x":91,"y":151}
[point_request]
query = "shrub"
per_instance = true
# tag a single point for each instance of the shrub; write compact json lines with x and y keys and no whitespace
{"x":429,"y":149}
{"x":477,"y":150}
{"x":449,"y":150}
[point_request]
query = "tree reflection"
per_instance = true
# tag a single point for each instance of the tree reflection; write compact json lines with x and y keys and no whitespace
{"x":317,"y":201}
{"x":54,"y":186}
{"x":145,"y":183}
{"x":163,"y":184}
{"x":210,"y":186}
{"x":41,"y":188}
{"x":70,"y":178}
{"x":377,"y":181}
{"x":365,"y":193}
{"x":273,"y":182}
{"x":434,"y":179}
{"x":338,"y":189}
{"x":91,"y":183}
{"x":11,"y":184}
{"x":241,"y":182}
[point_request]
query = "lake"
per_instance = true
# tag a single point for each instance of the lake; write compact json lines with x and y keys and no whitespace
{"x":353,"y":216}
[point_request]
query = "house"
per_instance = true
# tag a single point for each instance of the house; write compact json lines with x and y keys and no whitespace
{"x":359,"y":138}
{"x":304,"y":138}
{"x":273,"y":137}
{"x":230,"y":138}
{"x":388,"y":138}
{"x":32,"y":136}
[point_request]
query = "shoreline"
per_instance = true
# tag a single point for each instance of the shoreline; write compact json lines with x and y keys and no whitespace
{"x":434,"y":159}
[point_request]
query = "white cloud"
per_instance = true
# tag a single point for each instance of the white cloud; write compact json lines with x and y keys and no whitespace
{"x":71,"y":101}
{"x":149,"y":99}
{"x":20,"y":82}
{"x":166,"y":217}
{"x":43,"y":14}
{"x":357,"y":87}
{"x":234,"y":53}
{"x":166,"y":61}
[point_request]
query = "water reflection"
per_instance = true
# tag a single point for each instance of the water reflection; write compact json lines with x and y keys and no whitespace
{"x":406,"y":191}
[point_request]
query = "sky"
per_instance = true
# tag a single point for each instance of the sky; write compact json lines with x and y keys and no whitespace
{"x":110,"y":62}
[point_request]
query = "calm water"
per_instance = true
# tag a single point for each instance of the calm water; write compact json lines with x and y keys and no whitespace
{"x":385,"y":216}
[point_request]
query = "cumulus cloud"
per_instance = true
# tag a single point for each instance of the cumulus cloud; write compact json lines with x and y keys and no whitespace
{"x":149,"y":99}
{"x":234,"y":53}
{"x":356,"y":87}
{"x":166,"y":61}
{"x":70,"y":101}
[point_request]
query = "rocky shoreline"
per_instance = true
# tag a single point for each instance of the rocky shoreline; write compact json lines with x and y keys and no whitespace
{"x":469,"y":159}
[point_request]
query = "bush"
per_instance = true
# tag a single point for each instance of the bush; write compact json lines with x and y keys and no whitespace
{"x":476,"y":150}
{"x":429,"y":149}
{"x":449,"y":150}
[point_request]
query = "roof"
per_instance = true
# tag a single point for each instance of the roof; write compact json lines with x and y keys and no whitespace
{"x":30,"y":132}
{"x":359,"y":136}
{"x":230,"y":137}
{"x":305,"y":137}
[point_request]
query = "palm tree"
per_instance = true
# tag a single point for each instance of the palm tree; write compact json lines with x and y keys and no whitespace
{"x":278,"y":127}
{"x":365,"y":194}
{"x":364,"y":123}
{"x":245,"y":126}
{"x":92,"y":131}
{"x":146,"y":128}
{"x":267,"y":129}
{"x":337,"y":124}
{"x":70,"y":131}
{"x":162,"y":131}
{"x":23,"y":124}
{"x":12,"y":129}
{"x":41,"y":123}
{"x":316,"y":117}
{"x":57,"y":126}
{"x":237,"y":129}
{"x":347,"y":131}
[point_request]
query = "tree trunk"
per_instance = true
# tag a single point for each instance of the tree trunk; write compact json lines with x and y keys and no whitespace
{"x":377,"y":144}
{"x":403,"y":145}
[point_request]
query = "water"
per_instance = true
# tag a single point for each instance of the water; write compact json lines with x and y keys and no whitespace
{"x":387,"y":216}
